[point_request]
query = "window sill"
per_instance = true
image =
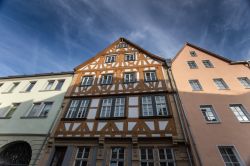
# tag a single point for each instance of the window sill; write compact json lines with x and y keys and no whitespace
{"x":244,"y":121}
{"x":5,"y":117}
{"x":130,"y":82}
{"x":197,"y":90}
{"x":215,"y":122}
{"x":24,"y":91}
{"x":151,"y":81}
{"x":225,"y":89}
{"x":105,"y":84}
{"x":85,"y":86}
{"x":110,"y":118}
{"x":33,"y":117}
{"x":155,"y":117}
{"x":48,"y":90}
{"x":73,"y":119}
{"x":6,"y":92}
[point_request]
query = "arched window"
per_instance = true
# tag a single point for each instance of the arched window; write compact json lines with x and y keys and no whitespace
{"x":15,"y":153}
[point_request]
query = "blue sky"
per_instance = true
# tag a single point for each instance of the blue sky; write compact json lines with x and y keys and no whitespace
{"x":38,"y":36}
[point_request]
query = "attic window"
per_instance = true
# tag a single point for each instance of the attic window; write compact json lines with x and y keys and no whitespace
{"x":122,"y":45}
{"x":193,"y":53}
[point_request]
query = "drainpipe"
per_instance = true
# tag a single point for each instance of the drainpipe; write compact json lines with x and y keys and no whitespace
{"x":182,"y":116}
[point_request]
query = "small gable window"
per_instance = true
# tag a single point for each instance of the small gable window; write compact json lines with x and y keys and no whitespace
{"x":129,"y":57}
{"x":110,"y":59}
{"x":193,"y":53}
{"x":122,"y":45}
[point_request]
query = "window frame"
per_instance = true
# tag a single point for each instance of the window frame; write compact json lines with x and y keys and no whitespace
{"x":87,"y":76}
{"x":128,"y":59}
{"x":235,"y":152}
{"x":13,"y":87}
{"x":133,"y":81}
{"x":150,"y":71}
{"x":146,"y":160}
{"x":121,"y":45}
{"x":247,"y":80}
{"x":154,"y":107}
{"x":117,"y":159}
{"x":221,"y":81}
{"x":244,"y":111}
{"x":47,"y":85}
{"x":57,"y":83}
{"x":198,"y":83}
{"x":111,"y":82}
{"x":217,"y":120}
{"x":192,"y":65}
{"x":40,"y":110}
{"x":112,"y":110}
{"x":166,"y":160}
{"x":108,"y":58}
{"x":208,"y":64}
{"x":82,"y":159}
{"x":193,"y":53}
{"x":74,"y":114}
{"x":28,"y":87}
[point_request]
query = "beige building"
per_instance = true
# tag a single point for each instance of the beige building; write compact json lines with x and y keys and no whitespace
{"x":215,"y":96}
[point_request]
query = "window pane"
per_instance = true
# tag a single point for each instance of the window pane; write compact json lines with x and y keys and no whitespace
{"x":49,"y":85}
{"x":71,"y":113}
{"x":208,"y":113}
{"x":147,"y":106}
{"x":59,"y":84}
{"x":106,"y":108}
{"x":161,"y":106}
{"x":195,"y":84}
{"x":34,"y":110}
{"x":12,"y":109}
{"x":119,"y":107}
{"x":239,"y":112}
{"x":46,"y":109}
{"x":30,"y":86}
{"x":229,"y":155}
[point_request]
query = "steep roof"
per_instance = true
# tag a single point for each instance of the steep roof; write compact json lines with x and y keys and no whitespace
{"x":121,"y":39}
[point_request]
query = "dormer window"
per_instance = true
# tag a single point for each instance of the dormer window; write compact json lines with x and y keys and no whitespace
{"x":122,"y":45}
{"x":129,"y":57}
{"x":110,"y":59}
{"x":193,"y":53}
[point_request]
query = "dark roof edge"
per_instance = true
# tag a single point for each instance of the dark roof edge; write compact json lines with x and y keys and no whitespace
{"x":38,"y":75}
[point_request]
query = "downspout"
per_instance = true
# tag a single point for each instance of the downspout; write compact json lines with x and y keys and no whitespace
{"x":182,"y":116}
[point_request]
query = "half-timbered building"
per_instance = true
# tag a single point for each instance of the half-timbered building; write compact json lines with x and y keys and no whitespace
{"x":119,"y":110}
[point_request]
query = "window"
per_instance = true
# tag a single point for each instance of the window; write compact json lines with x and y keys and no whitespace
{"x":150,"y":76}
{"x":240,"y":112}
{"x":166,"y":157}
{"x":129,"y":57}
{"x":129,"y":77}
{"x":154,"y":106}
{"x":59,"y":84}
{"x":78,"y":109}
{"x":1,"y":84}
{"x":193,"y":53}
{"x":12,"y":109}
{"x":195,"y":84}
{"x":192,"y":64}
{"x":230,"y":156}
{"x":13,"y":87}
{"x":87,"y":80}
{"x":207,"y":64}
{"x":82,"y":156}
{"x":147,"y":157}
{"x":113,"y":107}
{"x":122,"y":45}
{"x":117,"y":156}
{"x":220,"y":83}
{"x":110,"y":59}
{"x":30,"y":86}
{"x":106,"y":79}
{"x":40,"y":109}
{"x":244,"y":81}
{"x":208,"y":113}
{"x":49,"y":85}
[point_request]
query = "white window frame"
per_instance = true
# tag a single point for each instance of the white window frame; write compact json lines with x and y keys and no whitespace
{"x":192,"y":64}
{"x":244,"y":115}
{"x":129,"y":57}
{"x":47,"y":87}
{"x":106,"y":108}
{"x":117,"y":159}
{"x":119,"y":110}
{"x":57,"y":83}
{"x":207,"y":63}
{"x":147,"y":160}
{"x":28,"y":86}
{"x":218,"y":82}
{"x":207,"y":115}
{"x":82,"y":158}
{"x":166,"y":160}
{"x":152,"y":76}
{"x":197,"y":86}
{"x":40,"y":110}
{"x":78,"y":108}
{"x":87,"y":80}
{"x":131,"y":77}
{"x":107,"y":81}
{"x":110,"y":58}
{"x":147,"y":106}
{"x":246,"y":82}
{"x":235,"y":152}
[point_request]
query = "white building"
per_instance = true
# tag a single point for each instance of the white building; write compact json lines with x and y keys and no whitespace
{"x":29,"y":107}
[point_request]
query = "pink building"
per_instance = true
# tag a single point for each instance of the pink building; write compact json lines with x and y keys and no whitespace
{"x":215,"y":96}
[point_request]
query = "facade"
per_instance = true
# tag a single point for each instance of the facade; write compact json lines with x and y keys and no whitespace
{"x":29,"y":106}
{"x":215,"y":96}
{"x":120,"y":110}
